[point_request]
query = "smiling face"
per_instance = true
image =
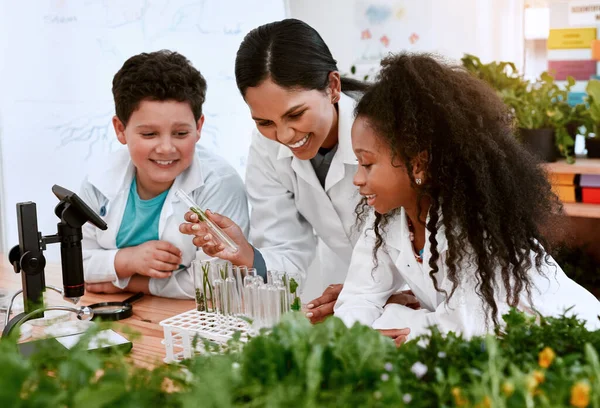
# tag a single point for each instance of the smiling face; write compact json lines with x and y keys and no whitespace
{"x":303,"y":120}
{"x":161,"y":138}
{"x":384,"y":183}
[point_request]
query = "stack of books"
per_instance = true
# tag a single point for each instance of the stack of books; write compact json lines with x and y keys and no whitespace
{"x":590,"y":188}
{"x":565,"y":186}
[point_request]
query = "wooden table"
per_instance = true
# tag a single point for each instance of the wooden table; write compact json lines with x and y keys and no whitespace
{"x":147,"y":313}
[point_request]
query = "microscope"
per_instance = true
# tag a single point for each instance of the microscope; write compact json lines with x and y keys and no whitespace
{"x":28,"y":258}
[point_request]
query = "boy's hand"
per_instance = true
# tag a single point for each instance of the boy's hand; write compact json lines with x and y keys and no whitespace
{"x":155,"y":259}
{"x":322,"y":306}
{"x":102,"y":287}
{"x":398,"y":335}
{"x":137,"y":283}
{"x":203,"y":238}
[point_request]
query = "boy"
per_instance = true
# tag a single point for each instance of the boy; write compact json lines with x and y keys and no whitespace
{"x":158,"y":101}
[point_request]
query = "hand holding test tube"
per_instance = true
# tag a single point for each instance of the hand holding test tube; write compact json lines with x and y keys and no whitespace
{"x":219,"y":236}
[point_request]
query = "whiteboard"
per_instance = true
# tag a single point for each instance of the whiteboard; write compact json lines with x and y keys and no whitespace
{"x":58,"y":61}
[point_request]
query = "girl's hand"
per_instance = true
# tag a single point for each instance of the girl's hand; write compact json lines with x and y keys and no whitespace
{"x":398,"y":335}
{"x":155,"y":259}
{"x":406,"y":298}
{"x":203,"y":238}
{"x":322,"y":306}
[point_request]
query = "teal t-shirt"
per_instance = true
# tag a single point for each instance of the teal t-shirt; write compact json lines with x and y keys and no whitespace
{"x":140,"y":220}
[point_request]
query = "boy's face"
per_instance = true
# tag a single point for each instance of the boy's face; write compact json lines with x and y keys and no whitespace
{"x":385,"y":185}
{"x":161,"y":137}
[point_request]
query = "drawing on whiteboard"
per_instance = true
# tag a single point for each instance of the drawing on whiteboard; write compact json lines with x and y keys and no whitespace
{"x":95,"y":132}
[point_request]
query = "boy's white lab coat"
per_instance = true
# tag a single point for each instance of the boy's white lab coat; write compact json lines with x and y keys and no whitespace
{"x":210,"y":181}
{"x":290,"y":208}
{"x":366,"y":290}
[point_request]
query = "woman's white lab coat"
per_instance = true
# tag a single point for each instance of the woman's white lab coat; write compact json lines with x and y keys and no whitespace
{"x":210,"y":181}
{"x":366,"y":290}
{"x":290,"y":208}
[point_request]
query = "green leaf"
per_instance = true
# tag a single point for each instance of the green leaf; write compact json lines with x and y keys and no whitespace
{"x":293,"y":285}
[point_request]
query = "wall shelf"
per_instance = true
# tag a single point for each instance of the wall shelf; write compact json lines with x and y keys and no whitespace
{"x":582,"y":210}
{"x":582,"y":165}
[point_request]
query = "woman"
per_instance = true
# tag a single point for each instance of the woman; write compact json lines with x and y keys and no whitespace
{"x":300,"y":164}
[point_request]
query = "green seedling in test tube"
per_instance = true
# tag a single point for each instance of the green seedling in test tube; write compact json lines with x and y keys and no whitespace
{"x":293,"y":290}
{"x":218,"y":235}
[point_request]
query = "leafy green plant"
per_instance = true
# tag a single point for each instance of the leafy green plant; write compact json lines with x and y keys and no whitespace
{"x":502,"y":76}
{"x":544,"y":105}
{"x":592,"y":114}
{"x":553,"y":363}
{"x":535,"y":105}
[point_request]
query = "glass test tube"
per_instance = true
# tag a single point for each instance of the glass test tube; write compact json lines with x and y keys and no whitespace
{"x":218,"y":235}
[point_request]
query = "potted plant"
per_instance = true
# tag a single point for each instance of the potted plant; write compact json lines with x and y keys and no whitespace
{"x":502,"y":76}
{"x":592,"y":141}
{"x":565,"y":119}
{"x":534,"y":112}
{"x":541,"y":110}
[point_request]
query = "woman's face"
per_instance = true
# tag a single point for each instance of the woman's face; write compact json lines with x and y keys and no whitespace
{"x":303,"y":120}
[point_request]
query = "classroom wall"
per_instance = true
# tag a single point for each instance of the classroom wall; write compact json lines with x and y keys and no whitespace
{"x":56,"y":67}
{"x":490,"y":29}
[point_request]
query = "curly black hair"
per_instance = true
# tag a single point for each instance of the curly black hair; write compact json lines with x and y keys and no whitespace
{"x":159,"y":76}
{"x":490,"y":195}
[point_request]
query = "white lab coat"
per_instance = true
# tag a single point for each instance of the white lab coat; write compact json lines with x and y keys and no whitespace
{"x":290,"y":208}
{"x":210,"y":181}
{"x":366,"y":290}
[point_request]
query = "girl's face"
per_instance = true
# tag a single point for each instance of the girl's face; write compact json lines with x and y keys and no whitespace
{"x":302,"y":120}
{"x":386,"y":185}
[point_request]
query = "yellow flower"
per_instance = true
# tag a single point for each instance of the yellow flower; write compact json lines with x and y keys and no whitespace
{"x":539,"y":376}
{"x":546,"y":357}
{"x":508,"y":388}
{"x":486,"y":402}
{"x":580,"y":394}
{"x":531,"y":383}
{"x":458,"y":398}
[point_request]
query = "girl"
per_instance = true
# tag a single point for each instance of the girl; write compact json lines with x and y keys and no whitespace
{"x":300,"y":164}
{"x":458,"y":206}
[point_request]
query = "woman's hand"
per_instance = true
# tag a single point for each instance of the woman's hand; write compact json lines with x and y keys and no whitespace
{"x":203,"y":238}
{"x":322,"y":306}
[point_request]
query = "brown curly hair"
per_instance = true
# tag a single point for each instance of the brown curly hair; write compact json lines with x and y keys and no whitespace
{"x":488,"y":193}
{"x":158,"y":76}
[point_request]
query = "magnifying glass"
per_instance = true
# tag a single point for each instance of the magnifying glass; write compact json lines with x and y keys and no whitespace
{"x":111,"y":311}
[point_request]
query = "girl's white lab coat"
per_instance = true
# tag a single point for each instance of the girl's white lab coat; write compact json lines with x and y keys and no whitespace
{"x":366,"y":290}
{"x":210,"y":181}
{"x":290,"y":208}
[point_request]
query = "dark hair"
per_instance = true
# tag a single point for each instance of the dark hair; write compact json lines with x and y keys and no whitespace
{"x":491,"y":194}
{"x":158,"y":76}
{"x":292,"y":54}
